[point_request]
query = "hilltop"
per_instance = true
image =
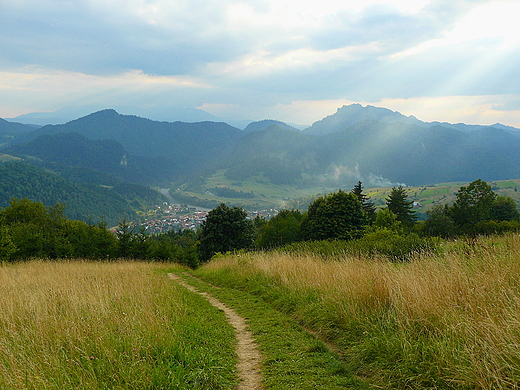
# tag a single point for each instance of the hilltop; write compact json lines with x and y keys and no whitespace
{"x":268,"y":163}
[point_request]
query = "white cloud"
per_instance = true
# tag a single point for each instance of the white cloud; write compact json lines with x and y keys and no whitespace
{"x":484,"y":110}
{"x":49,"y":91}
{"x":289,"y":60}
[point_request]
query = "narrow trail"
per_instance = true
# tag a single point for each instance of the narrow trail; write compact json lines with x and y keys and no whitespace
{"x":249,"y":357}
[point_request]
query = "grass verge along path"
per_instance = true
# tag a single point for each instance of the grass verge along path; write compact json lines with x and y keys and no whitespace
{"x":293,"y":358}
{"x":249,"y":357}
{"x":448,"y":319}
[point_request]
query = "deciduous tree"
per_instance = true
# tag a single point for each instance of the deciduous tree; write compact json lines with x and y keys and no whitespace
{"x":439,"y":223}
{"x":504,"y":209}
{"x":339,"y":215}
{"x":282,"y":229}
{"x":225,"y":229}
{"x":473,"y":204}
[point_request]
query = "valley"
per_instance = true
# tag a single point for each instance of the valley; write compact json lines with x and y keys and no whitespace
{"x":268,"y":165}
{"x":287,"y":196}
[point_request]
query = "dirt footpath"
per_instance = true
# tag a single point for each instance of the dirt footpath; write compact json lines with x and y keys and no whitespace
{"x":249,"y":358}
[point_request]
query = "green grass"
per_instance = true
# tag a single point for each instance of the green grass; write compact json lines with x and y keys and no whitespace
{"x":6,"y":157}
{"x":434,"y":191}
{"x":442,"y":321}
{"x":80,"y":325}
{"x":293,"y":358}
{"x":507,"y":184}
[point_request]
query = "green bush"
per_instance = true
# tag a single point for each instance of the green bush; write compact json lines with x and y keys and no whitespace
{"x":396,"y":247}
{"x":496,"y":227}
{"x":381,"y":242}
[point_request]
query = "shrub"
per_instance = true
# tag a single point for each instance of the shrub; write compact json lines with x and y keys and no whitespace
{"x":380,"y":242}
{"x":384,"y":242}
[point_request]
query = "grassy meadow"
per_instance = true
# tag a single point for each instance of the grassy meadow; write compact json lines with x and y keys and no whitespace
{"x":449,"y":320}
{"x":269,"y":195}
{"x":444,"y":320}
{"x":120,"y":325}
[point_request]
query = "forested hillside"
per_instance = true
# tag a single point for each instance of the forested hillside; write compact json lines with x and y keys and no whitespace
{"x":8,"y":130}
{"x":373,"y":152}
{"x":416,"y":156}
{"x":82,"y":202}
{"x":94,"y":161}
{"x":270,"y":162}
{"x":183,"y":147}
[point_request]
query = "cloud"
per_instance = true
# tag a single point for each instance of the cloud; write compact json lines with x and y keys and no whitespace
{"x":387,"y":26}
{"x":483,"y":109}
{"x":256,"y":58}
{"x":51,"y":90}
{"x":179,"y":37}
{"x":380,"y":181}
{"x":167,"y":38}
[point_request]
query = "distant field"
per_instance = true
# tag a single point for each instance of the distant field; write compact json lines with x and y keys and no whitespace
{"x":121,"y":325}
{"x":7,"y":157}
{"x":268,"y":195}
{"x":444,"y":193}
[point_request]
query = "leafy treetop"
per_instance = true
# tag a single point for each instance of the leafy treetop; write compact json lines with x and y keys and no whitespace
{"x":339,"y":215}
{"x":225,"y":229}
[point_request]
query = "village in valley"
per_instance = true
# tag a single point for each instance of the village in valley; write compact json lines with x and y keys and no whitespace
{"x":168,"y":216}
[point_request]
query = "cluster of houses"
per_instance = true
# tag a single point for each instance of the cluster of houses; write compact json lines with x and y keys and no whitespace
{"x":179,"y":217}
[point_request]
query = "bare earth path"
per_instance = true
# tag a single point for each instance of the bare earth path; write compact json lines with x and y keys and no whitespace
{"x":249,"y":357}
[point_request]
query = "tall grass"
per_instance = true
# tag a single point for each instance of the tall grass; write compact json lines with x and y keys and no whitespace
{"x":86,"y":325}
{"x":449,"y":320}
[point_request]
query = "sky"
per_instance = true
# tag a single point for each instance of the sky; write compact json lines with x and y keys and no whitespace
{"x":439,"y":60}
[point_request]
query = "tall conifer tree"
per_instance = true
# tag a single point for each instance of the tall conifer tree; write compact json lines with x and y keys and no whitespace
{"x":367,"y":205}
{"x":398,"y":203}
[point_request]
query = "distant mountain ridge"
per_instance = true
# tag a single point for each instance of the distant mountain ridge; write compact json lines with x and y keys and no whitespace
{"x":167,"y":114}
{"x":346,"y":116}
{"x":264,"y":124}
{"x":377,"y":153}
{"x":7,"y":127}
{"x":9,"y":130}
{"x":349,"y":115}
{"x":184,"y":147}
{"x":370,"y":144}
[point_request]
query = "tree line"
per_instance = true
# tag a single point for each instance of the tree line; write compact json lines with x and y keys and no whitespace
{"x":30,"y":230}
{"x":350,"y":217}
{"x":345,"y":221}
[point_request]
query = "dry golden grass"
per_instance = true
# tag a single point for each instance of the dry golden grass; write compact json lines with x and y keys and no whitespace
{"x":88,"y":325}
{"x":461,"y":307}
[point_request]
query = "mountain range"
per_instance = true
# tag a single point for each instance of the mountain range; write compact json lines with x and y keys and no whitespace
{"x":163,"y":114}
{"x":370,"y":144}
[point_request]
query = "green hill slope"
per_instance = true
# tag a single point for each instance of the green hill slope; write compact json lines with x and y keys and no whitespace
{"x":108,"y":157}
{"x":86,"y":203}
{"x":187,"y":146}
